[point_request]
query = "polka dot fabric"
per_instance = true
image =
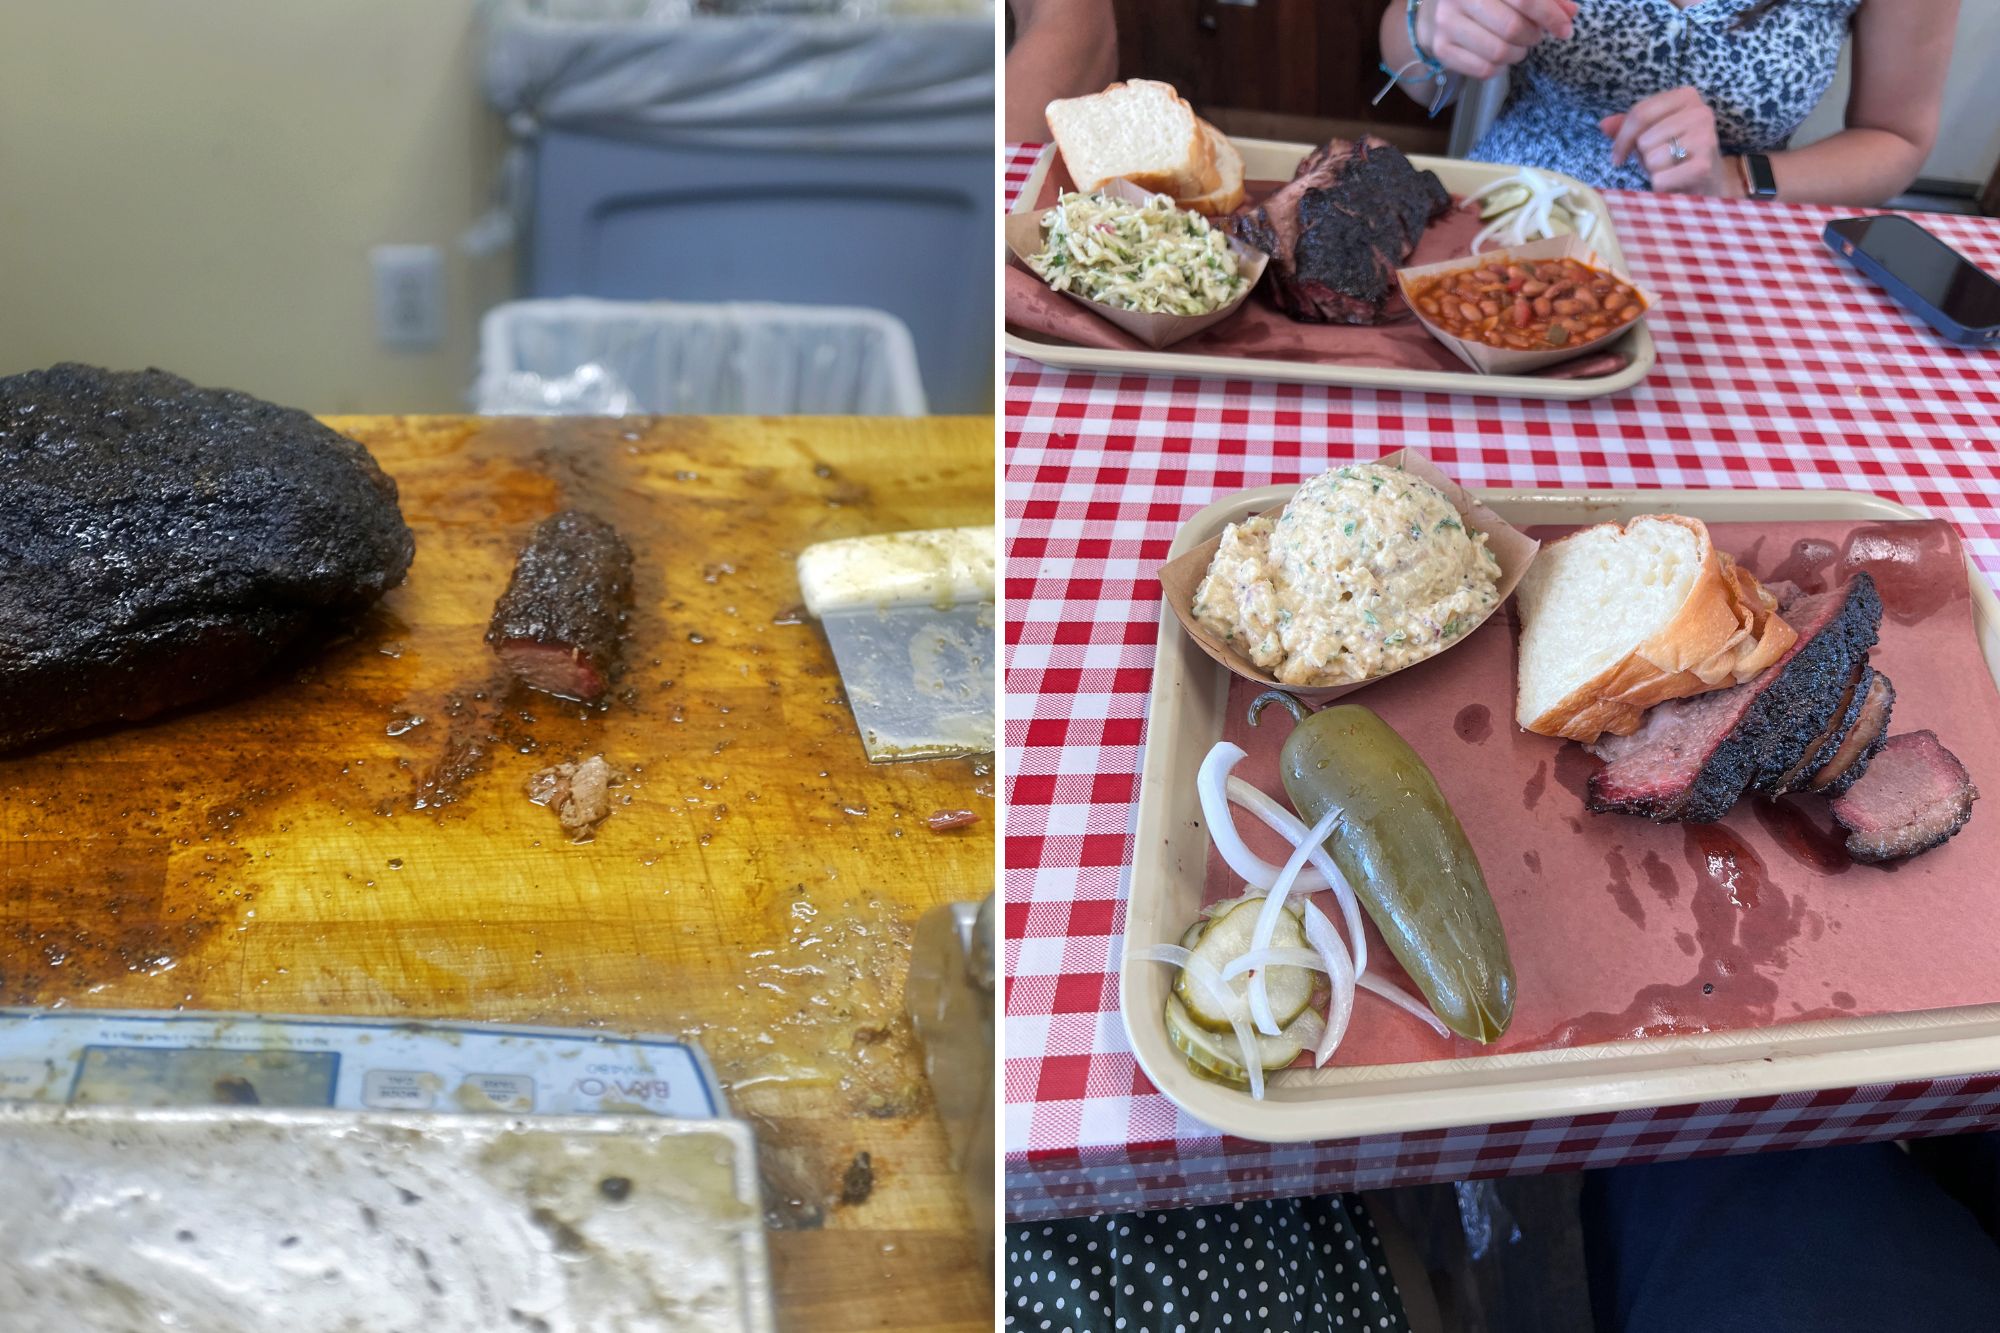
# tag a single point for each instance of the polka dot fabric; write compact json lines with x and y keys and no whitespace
{"x":1287,"y":1264}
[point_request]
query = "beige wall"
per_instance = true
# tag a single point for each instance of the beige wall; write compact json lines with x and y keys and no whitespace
{"x":195,"y":185}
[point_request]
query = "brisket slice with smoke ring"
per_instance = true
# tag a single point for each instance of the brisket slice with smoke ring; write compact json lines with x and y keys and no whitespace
{"x":162,"y":543}
{"x":1694,"y":757}
{"x":1337,"y":232}
{"x":558,"y":624}
{"x":1914,"y":796}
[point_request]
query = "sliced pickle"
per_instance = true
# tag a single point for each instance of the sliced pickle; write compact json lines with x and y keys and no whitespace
{"x":1217,"y":1056}
{"x":1502,"y":201}
{"x":1228,"y":938}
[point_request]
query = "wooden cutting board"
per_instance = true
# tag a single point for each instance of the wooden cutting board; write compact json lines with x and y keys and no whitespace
{"x":355,"y":837}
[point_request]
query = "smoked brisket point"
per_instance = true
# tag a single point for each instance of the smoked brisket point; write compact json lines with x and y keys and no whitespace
{"x":1694,"y":757}
{"x":1338,"y":231}
{"x":162,"y":543}
{"x":557,"y":625}
{"x":1914,"y":796}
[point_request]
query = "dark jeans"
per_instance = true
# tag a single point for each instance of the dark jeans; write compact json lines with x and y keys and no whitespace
{"x":1824,"y":1240}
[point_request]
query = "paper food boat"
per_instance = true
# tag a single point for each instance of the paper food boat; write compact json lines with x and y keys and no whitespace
{"x":1514,"y":549}
{"x":1024,"y":238}
{"x":1488,"y":360}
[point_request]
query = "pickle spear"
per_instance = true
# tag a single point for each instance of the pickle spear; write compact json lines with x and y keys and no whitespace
{"x":1408,"y":860}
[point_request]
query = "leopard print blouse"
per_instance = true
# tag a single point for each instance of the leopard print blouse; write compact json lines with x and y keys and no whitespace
{"x":1761,"y":66}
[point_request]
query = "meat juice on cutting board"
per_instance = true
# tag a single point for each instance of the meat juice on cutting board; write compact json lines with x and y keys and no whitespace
{"x":1619,"y":927}
{"x":197,"y":858}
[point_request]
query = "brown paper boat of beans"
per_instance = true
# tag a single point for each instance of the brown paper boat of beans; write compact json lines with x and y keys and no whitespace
{"x":1511,"y":311}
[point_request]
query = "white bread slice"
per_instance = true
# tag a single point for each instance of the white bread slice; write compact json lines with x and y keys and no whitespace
{"x":1227,"y":194}
{"x":1142,"y":130}
{"x":1616,"y":619}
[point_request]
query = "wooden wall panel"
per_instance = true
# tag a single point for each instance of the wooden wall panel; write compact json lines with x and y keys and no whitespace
{"x":1290,"y":68}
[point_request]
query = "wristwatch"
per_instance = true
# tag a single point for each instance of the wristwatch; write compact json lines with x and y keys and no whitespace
{"x":1758,"y":180}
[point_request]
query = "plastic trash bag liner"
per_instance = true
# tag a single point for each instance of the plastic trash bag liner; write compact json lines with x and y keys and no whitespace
{"x":664,"y":73}
{"x":584,"y":357}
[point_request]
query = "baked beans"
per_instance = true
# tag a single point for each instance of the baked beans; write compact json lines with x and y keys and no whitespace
{"x":1531,"y":305}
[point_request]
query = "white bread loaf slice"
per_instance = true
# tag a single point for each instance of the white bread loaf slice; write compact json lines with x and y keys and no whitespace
{"x":1615,"y":619}
{"x":1227,"y":196}
{"x":1143,"y":131}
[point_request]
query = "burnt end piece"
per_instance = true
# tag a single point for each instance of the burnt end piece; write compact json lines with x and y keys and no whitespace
{"x":1914,"y":796}
{"x":1337,"y":232}
{"x":1694,"y":757}
{"x":557,"y":625}
{"x":162,"y":543}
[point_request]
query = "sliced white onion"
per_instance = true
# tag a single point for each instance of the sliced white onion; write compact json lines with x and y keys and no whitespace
{"x":1217,"y":788}
{"x":1526,"y":176}
{"x":1163,"y":953}
{"x":1219,"y":994}
{"x":1223,"y":906}
{"x":1340,"y":974}
{"x":1275,"y":956}
{"x":1529,"y":220}
{"x":1293,"y":830}
{"x":1267,"y":919}
{"x":1405,"y":1001}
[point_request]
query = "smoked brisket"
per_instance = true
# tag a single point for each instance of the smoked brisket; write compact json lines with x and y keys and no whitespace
{"x":1694,"y":757}
{"x":1339,"y":230}
{"x":162,"y":543}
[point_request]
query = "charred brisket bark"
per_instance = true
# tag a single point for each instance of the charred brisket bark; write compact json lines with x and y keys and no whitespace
{"x":1694,"y":757}
{"x":1862,"y":742}
{"x":1828,"y":743}
{"x":558,"y":623}
{"x":1350,"y":216}
{"x":162,"y":543}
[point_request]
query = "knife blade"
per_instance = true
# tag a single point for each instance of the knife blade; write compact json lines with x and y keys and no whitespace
{"x":909,"y":616}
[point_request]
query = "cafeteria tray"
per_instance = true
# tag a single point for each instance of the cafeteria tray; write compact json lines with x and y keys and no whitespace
{"x":1265,"y":159}
{"x":1185,"y":718}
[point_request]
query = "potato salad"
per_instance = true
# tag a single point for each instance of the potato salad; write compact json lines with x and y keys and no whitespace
{"x":1366,"y":571}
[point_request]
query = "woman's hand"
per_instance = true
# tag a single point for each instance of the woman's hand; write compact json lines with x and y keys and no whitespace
{"x":1651,"y":130}
{"x":1479,"y":38}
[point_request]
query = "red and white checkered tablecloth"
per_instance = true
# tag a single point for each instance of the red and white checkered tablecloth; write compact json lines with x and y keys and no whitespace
{"x":1778,"y":367}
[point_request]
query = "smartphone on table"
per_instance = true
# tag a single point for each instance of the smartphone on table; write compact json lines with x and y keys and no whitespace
{"x":1925,"y":276}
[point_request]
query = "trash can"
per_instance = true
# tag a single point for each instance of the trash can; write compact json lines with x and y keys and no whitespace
{"x":579,"y":356}
{"x":808,"y":159}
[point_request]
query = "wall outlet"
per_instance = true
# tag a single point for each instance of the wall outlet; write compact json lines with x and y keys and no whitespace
{"x":409,"y":296}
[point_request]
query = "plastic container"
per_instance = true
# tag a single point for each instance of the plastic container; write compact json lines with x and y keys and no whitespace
{"x":583,"y":357}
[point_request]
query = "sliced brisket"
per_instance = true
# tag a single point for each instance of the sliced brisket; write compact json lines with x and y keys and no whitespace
{"x":1350,"y":216}
{"x":161,"y":543}
{"x":1694,"y":757}
{"x":1914,"y":796}
{"x":1825,"y":745}
{"x":557,"y":625}
{"x":1862,"y":742}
